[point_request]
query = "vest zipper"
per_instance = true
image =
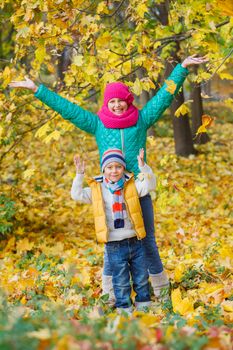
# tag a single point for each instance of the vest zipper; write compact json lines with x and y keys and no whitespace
{"x":128,"y":211}
{"x":122,"y":141}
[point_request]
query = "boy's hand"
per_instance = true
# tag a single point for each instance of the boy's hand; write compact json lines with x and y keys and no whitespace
{"x":194,"y":60}
{"x":80,"y":165}
{"x":140,"y":157}
{"x":26,"y":84}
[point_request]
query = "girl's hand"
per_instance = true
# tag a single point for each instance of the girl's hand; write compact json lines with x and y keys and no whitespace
{"x":140,"y":157}
{"x":194,"y":60}
{"x":26,"y":84}
{"x":80,"y":165}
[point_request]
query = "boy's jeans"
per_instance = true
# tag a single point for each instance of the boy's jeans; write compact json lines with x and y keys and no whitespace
{"x":127,"y":257}
{"x":153,"y":261}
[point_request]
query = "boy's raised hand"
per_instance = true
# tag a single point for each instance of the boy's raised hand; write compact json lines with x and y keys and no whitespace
{"x":25,"y":84}
{"x":140,"y":157}
{"x":80,"y":165}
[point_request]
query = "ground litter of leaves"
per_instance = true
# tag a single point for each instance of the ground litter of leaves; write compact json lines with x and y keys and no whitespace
{"x":50,"y":265}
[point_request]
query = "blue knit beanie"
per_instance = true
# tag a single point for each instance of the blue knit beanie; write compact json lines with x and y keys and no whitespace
{"x":112,"y":155}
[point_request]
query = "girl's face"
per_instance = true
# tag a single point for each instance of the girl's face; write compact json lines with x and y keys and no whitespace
{"x":117,"y":106}
{"x":114,"y":171}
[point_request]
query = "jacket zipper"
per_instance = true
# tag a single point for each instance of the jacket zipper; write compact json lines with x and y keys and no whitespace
{"x":122,"y":141}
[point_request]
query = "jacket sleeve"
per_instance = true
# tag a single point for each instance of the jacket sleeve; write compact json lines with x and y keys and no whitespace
{"x":78,"y":193}
{"x":154,"y":108}
{"x":145,"y":181}
{"x":81,"y":118}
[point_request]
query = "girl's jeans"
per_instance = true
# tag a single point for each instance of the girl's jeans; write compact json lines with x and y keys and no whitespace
{"x":126,"y":258}
{"x":153,"y":261}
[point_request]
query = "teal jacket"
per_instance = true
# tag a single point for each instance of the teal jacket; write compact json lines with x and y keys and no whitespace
{"x":129,"y":140}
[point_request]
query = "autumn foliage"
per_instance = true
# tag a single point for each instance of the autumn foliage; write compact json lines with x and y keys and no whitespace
{"x":50,"y":265}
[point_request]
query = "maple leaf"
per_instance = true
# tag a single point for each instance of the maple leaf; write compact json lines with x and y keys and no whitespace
{"x":206,"y":122}
{"x":182,"y":306}
{"x":27,"y":174}
{"x":171,"y":86}
{"x":24,"y":245}
{"x":182,"y":110}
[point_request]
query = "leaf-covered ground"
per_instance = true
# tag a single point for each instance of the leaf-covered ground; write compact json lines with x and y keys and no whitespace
{"x":50,"y":265}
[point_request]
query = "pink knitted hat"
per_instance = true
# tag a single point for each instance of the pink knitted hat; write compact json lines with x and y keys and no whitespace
{"x":125,"y":120}
{"x":117,"y":90}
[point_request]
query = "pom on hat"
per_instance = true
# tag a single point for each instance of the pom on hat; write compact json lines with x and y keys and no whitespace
{"x":112,"y":155}
{"x":118,"y":90}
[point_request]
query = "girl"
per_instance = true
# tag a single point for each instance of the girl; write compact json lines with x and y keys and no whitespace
{"x":119,"y":223}
{"x":119,"y":124}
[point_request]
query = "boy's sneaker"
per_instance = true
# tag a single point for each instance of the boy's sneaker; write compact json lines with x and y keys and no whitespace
{"x":143,"y":306}
{"x":107,"y":288}
{"x":125,"y":311}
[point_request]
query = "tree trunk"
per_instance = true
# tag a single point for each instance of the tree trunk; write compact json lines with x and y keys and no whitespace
{"x":63,"y":64}
{"x":182,"y":131}
{"x":197,"y":113}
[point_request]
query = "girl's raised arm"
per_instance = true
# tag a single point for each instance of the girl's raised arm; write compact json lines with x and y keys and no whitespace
{"x":81,"y":118}
{"x":154,"y":108}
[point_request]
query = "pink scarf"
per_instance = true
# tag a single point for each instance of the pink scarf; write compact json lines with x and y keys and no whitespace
{"x":125,"y":120}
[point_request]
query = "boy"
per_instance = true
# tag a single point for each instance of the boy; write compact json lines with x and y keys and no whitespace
{"x":119,"y":222}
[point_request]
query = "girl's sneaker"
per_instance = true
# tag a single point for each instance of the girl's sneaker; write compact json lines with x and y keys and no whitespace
{"x":161,"y":286}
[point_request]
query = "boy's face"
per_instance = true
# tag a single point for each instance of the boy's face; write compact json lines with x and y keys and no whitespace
{"x":114,"y":171}
{"x":117,"y":106}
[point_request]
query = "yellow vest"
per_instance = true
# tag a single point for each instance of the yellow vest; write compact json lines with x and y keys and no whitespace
{"x":132,"y":204}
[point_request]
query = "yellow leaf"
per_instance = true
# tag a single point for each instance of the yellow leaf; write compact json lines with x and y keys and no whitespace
{"x":212,"y":288}
{"x":204,"y":76}
{"x":150,"y":320}
{"x":24,"y":245}
{"x":199,"y":190}
{"x":55,"y":135}
{"x":227,"y":305}
{"x":6,"y":76}
{"x":86,"y":277}
{"x":20,"y":231}
{"x":78,"y":60}
{"x":23,"y":300}
{"x":126,"y":67}
{"x":10,"y":244}
{"x":1,"y":131}
{"x":42,"y":130}
{"x":171,"y":86}
{"x":182,"y":306}
{"x":102,"y":8}
{"x":27,"y":174}
{"x":146,"y":41}
{"x":182,"y":110}
{"x":103,"y":40}
{"x":137,"y":87}
{"x":226,"y":7}
{"x":179,"y":271}
{"x":226,"y":76}
{"x":28,"y":15}
{"x":206,"y":122}
{"x":40,"y":53}
{"x":201,"y":129}
{"x":151,"y":140}
{"x":141,"y":9}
